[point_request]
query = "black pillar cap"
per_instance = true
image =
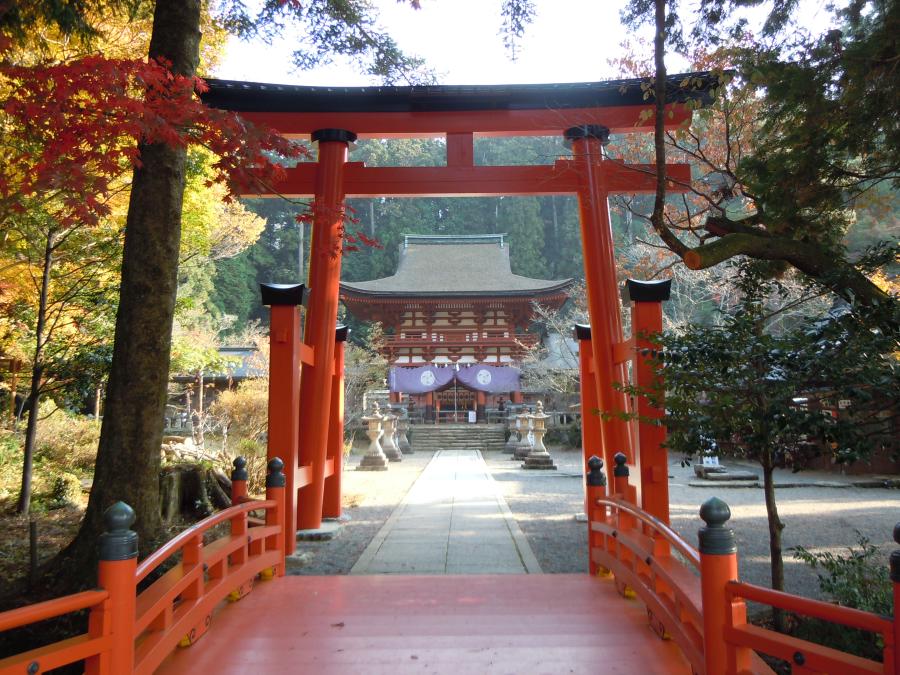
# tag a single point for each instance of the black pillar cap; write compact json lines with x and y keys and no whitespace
{"x":118,"y":542}
{"x":715,"y":538}
{"x":581,"y":331}
{"x":275,"y":477}
{"x":240,"y":469}
{"x":621,"y":468}
{"x":647,"y":291}
{"x":596,"y":476}
{"x":284,"y":294}
{"x":331,"y":135}
{"x":341,"y":333}
{"x":597,"y":131}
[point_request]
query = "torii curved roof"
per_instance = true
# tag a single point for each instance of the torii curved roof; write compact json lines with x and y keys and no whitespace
{"x":452,"y":266}
{"x":267,"y":97}
{"x":433,"y":110}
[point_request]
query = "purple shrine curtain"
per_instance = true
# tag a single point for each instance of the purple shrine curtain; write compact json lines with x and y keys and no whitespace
{"x":490,"y":379}
{"x":419,"y":380}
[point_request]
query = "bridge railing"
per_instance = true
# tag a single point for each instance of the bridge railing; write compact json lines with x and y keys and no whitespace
{"x":133,"y":632}
{"x":803,"y":655}
{"x":695,"y":598}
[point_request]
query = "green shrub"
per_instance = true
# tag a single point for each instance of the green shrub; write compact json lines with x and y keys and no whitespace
{"x":56,"y":490}
{"x":859,"y":580}
{"x":255,"y":454}
{"x":65,"y":489}
{"x":556,"y":436}
{"x":244,"y":410}
{"x":65,"y":440}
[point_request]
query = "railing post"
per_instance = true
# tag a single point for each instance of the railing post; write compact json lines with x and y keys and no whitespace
{"x":284,"y":388}
{"x":646,"y":299}
{"x":895,"y":580}
{"x":116,"y":574}
{"x":275,"y":488}
{"x":624,"y":521}
{"x":239,"y":522}
{"x":718,"y":566}
{"x":332,"y":507}
{"x":591,"y":441}
{"x":595,"y":489}
{"x":239,"y":481}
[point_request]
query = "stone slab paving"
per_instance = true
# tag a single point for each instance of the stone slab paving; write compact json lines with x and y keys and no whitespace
{"x":452,"y":521}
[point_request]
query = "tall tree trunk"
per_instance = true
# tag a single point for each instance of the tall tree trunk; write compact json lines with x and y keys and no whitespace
{"x":37,"y":375}
{"x":776,"y":557}
{"x":128,"y":458}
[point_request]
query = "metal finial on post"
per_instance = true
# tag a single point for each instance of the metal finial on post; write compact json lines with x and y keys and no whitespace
{"x":621,"y":468}
{"x":119,"y":542}
{"x":715,"y":538}
{"x":275,"y":473}
{"x":240,"y":469}
{"x":596,"y":476}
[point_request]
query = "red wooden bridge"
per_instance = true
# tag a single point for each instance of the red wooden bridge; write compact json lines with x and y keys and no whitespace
{"x":229,"y":588}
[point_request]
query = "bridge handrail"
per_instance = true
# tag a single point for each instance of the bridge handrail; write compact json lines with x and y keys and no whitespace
{"x":88,"y":646}
{"x":636,"y":548}
{"x":827,"y":611}
{"x":706,"y":614}
{"x":130,"y":632}
{"x":689,"y":552}
{"x":50,"y":609}
{"x":813,"y":657}
{"x":177,"y":543}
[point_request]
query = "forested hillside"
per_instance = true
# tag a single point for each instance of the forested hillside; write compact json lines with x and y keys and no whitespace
{"x":543,"y":231}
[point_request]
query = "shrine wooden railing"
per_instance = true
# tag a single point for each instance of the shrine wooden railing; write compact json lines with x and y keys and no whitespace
{"x":133,"y":632}
{"x":694,"y":597}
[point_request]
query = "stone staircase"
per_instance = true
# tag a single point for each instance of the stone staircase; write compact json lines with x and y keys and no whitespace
{"x":484,"y":437}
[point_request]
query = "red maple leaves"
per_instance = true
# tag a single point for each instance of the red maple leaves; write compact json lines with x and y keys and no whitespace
{"x":77,"y":127}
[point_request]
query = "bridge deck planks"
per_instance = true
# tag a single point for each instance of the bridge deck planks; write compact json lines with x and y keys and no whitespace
{"x":563,"y":623}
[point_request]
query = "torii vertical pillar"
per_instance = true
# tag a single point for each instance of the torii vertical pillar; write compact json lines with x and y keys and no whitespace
{"x":600,"y":277}
{"x":590,"y":417}
{"x":321,"y":317}
{"x":646,"y":299}
{"x":332,"y":507}
{"x":284,"y":389}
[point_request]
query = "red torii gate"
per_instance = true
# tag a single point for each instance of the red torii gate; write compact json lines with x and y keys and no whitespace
{"x":335,"y":117}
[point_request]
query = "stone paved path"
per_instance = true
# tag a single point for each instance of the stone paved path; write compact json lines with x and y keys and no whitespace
{"x":452,"y":521}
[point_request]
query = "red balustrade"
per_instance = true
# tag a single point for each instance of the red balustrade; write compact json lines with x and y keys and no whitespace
{"x":133,"y":632}
{"x":694,"y":597}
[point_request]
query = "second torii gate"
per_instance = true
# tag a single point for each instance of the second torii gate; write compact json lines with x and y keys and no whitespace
{"x":586,"y":114}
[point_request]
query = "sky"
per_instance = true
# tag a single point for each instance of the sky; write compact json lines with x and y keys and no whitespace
{"x":569,"y":41}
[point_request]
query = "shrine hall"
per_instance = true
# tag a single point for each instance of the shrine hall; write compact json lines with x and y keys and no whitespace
{"x":456,"y":321}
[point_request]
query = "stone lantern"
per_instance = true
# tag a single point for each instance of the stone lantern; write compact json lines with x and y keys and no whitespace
{"x":523,"y":423}
{"x":389,"y":441}
{"x":539,"y":458}
{"x":374,"y":459}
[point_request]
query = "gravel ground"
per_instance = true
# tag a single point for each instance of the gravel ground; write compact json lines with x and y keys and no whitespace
{"x":544,"y":504}
{"x":369,"y":499}
{"x":816,"y":517}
